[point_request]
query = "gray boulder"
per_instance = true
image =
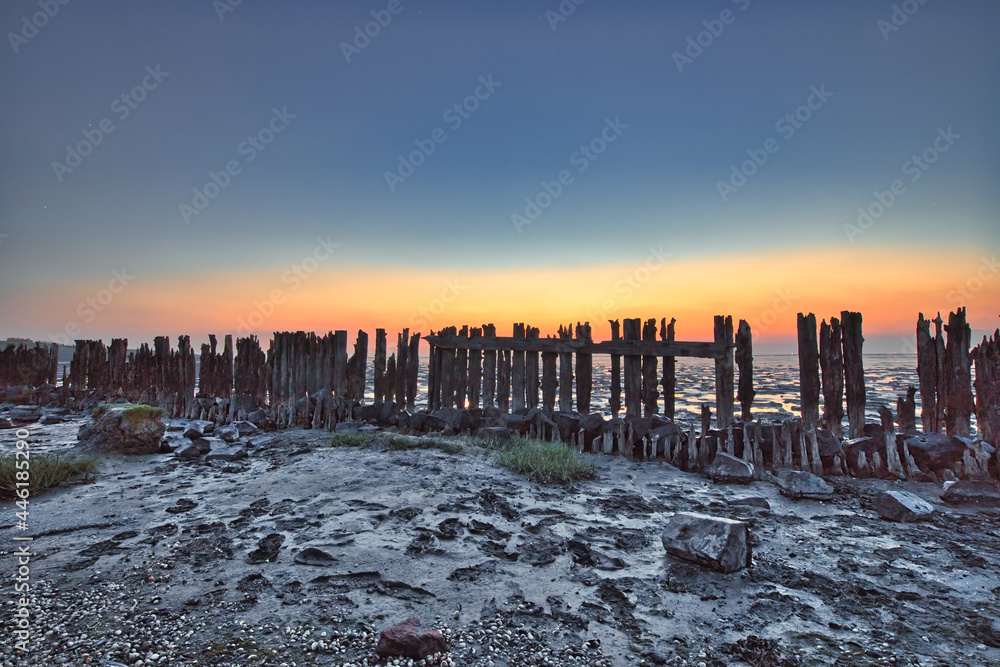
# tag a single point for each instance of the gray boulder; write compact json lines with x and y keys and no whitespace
{"x":199,"y":428}
{"x":932,"y":452}
{"x":208,"y":444}
{"x":749,"y":500}
{"x":797,"y":484}
{"x":25,"y":413}
{"x":727,"y":469}
{"x":714,"y":542}
{"x":172,"y":442}
{"x":903,"y":506}
{"x":188,"y":451}
{"x":227,"y":454}
{"x":973,"y":492}
{"x":245,"y":428}
{"x":227,"y":434}
{"x":125,"y":429}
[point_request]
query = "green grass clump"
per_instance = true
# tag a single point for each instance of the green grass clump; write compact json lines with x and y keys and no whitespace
{"x":44,"y":472}
{"x":546,"y":462}
{"x":132,"y":413}
{"x":446,"y":445}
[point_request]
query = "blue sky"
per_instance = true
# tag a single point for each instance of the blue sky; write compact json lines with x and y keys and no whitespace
{"x":324,"y":174}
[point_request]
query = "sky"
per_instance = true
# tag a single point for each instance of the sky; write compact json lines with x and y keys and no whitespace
{"x":199,"y":167}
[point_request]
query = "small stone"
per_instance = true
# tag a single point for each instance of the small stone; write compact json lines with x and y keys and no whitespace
{"x":407,"y":640}
{"x":727,"y":469}
{"x":903,"y":506}
{"x":715,"y":542}
{"x":798,"y":484}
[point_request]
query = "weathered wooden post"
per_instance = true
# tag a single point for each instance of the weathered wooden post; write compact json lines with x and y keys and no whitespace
{"x":475,"y":368}
{"x":340,"y":363}
{"x":960,"y":404}
{"x":565,"y":373}
{"x":987,"y":360}
{"x":927,"y":375}
{"x":503,"y":379}
{"x":616,"y":371}
{"x":854,"y":372}
{"x":669,"y":370}
{"x":650,"y":395}
{"x":550,"y":382}
{"x":412,"y":370}
{"x":489,"y":367}
{"x":397,"y":392}
{"x":906,"y":412}
{"x":379,"y":377}
{"x":462,"y":367}
{"x":744,"y":360}
{"x":724,"y":371}
{"x":433,"y":376}
{"x":631,"y":332}
{"x":517,"y":370}
{"x":809,"y":388}
{"x":584,"y":370}
{"x":832,"y":366}
{"x":531,"y":371}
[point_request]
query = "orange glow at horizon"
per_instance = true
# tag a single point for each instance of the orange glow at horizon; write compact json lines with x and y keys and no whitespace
{"x":767,"y":288}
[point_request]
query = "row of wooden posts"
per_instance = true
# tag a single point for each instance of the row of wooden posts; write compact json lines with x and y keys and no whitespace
{"x":473,"y":367}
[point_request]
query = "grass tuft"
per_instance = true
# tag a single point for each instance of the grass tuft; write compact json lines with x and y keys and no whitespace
{"x":546,"y":462}
{"x":44,"y":472}
{"x":132,"y":413}
{"x":446,"y":445}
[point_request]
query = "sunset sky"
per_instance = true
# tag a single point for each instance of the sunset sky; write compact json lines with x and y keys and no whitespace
{"x":496,"y":162}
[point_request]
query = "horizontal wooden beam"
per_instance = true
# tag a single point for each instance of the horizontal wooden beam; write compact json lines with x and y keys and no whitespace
{"x":655,"y":348}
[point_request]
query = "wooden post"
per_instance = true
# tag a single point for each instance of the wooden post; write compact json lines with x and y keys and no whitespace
{"x":906,"y":412}
{"x":489,"y":369}
{"x":831,"y":359}
{"x":517,"y":371}
{"x":669,"y":370}
{"x":927,"y":375}
{"x":744,"y":359}
{"x":412,"y":370}
{"x":987,"y":360}
{"x":379,"y":378}
{"x":808,"y":372}
{"x":616,"y":372}
{"x":584,"y":371}
{"x":340,"y":364}
{"x":447,"y":371}
{"x":854,"y":372}
{"x":475,"y":369}
{"x":892,"y":461}
{"x":724,"y":371}
{"x":398,"y":392}
{"x":433,"y":377}
{"x":461,"y":370}
{"x":633,"y":369}
{"x":960,"y":404}
{"x":565,"y":374}
{"x":650,"y":396}
{"x":943,"y":376}
{"x":503,"y":381}
{"x":531,"y":372}
{"x":549,"y":382}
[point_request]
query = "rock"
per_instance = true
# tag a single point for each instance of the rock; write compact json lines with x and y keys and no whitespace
{"x":797,"y":484}
{"x":245,"y":428}
{"x":933,"y":452}
{"x":727,"y":469}
{"x":188,"y":451}
{"x":313,"y":556}
{"x":208,"y":444}
{"x":228,"y":434}
{"x":515,"y":423}
{"x":25,"y":413}
{"x":829,"y":444}
{"x":496,"y":434}
{"x":6,"y":423}
{"x":721,"y":544}
{"x":267,"y":549}
{"x":407,"y":640}
{"x":973,"y":492}
{"x":176,"y":425}
{"x":227,"y":454}
{"x":171,"y":443}
{"x":48,"y":420}
{"x":125,"y":429}
{"x":748,"y":500}
{"x":259,"y":419}
{"x":198,"y":428}
{"x":903,"y":506}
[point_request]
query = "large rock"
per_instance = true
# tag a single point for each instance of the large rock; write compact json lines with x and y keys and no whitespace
{"x":829,"y":444}
{"x":749,"y":500}
{"x":25,"y":413}
{"x":903,"y":506}
{"x":933,"y":452}
{"x":727,"y":469}
{"x":228,"y":434}
{"x":125,"y":429}
{"x":207,"y":445}
{"x":245,"y":428}
{"x":973,"y":492}
{"x":798,"y":484}
{"x":721,"y":544}
{"x":227,"y":454}
{"x":407,"y":640}
{"x":199,"y":428}
{"x":188,"y":451}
